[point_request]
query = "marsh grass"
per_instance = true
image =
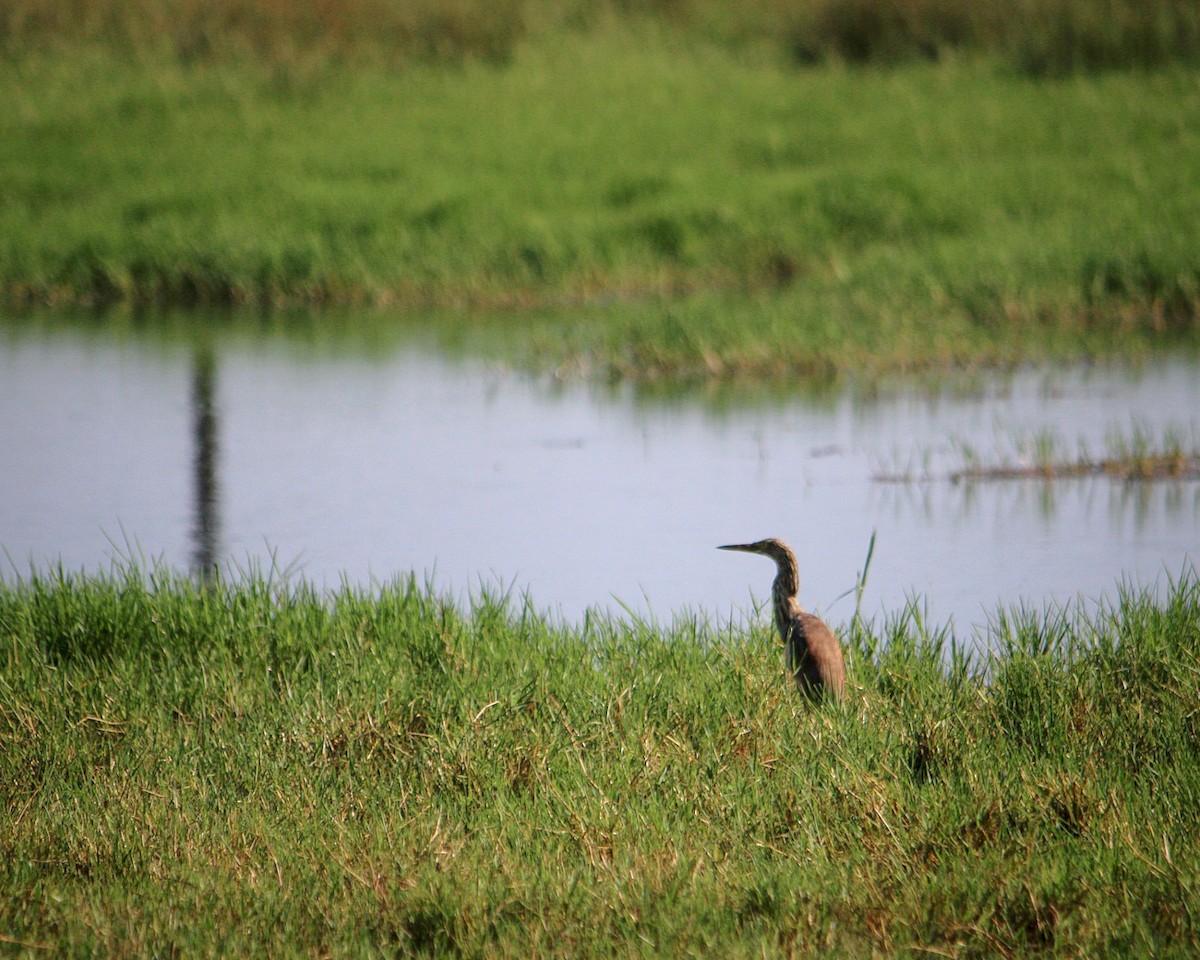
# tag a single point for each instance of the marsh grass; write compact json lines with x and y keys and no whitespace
{"x":1133,"y":454}
{"x":260,"y":769}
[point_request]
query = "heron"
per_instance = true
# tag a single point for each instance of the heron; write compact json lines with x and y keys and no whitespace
{"x":813,"y":653}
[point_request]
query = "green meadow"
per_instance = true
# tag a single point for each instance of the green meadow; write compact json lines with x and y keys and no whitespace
{"x":260,"y":770}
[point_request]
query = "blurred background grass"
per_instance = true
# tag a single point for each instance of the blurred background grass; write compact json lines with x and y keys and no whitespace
{"x":709,"y":189}
{"x":1039,"y":36}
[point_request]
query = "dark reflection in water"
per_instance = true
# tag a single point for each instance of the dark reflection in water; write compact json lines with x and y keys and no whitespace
{"x":206,"y":520}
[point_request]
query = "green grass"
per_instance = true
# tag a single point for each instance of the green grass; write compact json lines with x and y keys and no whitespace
{"x":260,"y":770}
{"x":673,"y":208}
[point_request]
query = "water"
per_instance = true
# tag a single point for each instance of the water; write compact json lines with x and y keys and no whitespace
{"x":362,"y":464}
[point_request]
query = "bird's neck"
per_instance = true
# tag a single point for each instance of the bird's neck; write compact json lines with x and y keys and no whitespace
{"x":784,"y":593}
{"x":787,"y":584}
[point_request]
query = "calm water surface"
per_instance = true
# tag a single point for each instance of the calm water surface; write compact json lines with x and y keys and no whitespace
{"x":360,"y":466}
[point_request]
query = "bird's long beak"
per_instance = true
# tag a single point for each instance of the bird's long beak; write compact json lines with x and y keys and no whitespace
{"x":744,"y":547}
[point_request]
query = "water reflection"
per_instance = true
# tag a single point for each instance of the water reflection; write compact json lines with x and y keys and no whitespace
{"x":1119,"y":504}
{"x":206,"y":506}
{"x":367,"y":461}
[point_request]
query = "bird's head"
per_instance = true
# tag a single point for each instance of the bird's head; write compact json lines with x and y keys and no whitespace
{"x":777,"y":550}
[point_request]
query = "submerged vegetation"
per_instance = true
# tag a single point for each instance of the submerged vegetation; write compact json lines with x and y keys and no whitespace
{"x":261,"y":770}
{"x":1135,"y":454}
{"x":682,"y":190}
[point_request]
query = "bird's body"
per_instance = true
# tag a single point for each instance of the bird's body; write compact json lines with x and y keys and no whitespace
{"x":813,"y":653}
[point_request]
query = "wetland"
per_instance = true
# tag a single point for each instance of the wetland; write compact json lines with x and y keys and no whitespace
{"x":377,"y":380}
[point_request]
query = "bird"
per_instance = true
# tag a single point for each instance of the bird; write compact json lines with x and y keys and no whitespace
{"x":813,"y":653}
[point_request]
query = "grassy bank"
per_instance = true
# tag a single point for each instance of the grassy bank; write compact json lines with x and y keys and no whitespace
{"x":697,"y":213}
{"x":261,"y":771}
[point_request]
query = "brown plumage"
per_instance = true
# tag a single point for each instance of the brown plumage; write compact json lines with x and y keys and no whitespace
{"x":813,"y":653}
